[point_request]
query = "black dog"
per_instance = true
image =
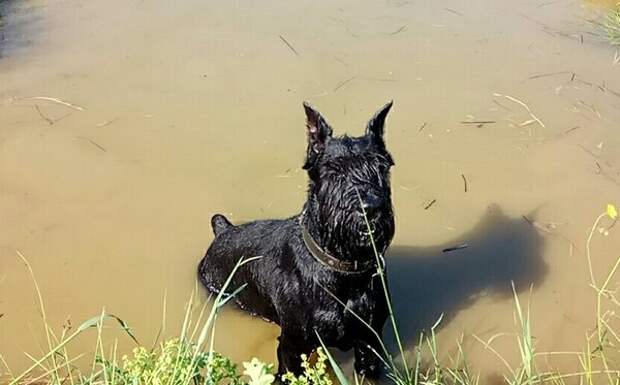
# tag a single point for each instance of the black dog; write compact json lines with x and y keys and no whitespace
{"x":324,"y":251}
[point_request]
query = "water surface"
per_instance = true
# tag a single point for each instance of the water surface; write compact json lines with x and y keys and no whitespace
{"x":179,"y":111}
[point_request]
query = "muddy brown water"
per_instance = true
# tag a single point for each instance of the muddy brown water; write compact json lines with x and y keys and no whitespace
{"x":193,"y":108}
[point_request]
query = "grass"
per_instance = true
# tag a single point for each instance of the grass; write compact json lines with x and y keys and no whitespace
{"x":190,"y":358}
{"x":187,"y":359}
{"x":611,"y":24}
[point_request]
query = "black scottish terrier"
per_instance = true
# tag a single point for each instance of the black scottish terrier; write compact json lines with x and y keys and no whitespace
{"x":321,"y":253}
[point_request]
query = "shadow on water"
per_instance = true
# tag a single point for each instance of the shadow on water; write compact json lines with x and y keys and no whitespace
{"x":3,"y":12}
{"x":426,"y":282}
{"x":20,"y":24}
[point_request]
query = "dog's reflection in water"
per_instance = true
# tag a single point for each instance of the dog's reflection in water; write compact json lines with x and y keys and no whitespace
{"x":426,"y":282}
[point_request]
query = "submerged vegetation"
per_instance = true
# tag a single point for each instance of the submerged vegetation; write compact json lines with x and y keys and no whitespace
{"x":612,"y":25}
{"x":190,"y":358}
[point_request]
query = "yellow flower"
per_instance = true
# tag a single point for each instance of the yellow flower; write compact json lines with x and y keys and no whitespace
{"x":611,"y":211}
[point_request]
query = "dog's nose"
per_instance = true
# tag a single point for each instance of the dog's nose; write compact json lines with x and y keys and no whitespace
{"x":372,"y":202}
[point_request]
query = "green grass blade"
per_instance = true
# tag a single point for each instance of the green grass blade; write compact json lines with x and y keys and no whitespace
{"x":339,"y":374}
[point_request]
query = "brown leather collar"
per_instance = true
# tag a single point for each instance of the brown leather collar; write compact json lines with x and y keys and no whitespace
{"x":327,"y":260}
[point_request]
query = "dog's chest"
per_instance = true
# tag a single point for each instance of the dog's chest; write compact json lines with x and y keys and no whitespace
{"x":339,"y":323}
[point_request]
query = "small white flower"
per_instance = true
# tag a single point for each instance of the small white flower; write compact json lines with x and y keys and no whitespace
{"x":258,"y":372}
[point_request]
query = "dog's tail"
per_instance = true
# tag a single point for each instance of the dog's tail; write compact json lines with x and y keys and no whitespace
{"x":219,"y":223}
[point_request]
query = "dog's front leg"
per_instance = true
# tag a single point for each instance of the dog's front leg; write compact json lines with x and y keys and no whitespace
{"x":367,"y":348}
{"x":367,"y":361}
{"x":292,"y":344}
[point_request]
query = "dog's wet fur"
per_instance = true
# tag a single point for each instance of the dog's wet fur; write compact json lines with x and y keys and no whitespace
{"x":288,"y":285}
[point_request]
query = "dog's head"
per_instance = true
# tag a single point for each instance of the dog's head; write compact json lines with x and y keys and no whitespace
{"x":348,"y":176}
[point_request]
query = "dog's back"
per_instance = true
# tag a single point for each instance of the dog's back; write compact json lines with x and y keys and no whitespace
{"x":234,"y":242}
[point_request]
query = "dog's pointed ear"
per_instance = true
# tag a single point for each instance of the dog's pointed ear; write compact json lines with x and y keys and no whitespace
{"x":319,"y":132}
{"x":375,"y":127}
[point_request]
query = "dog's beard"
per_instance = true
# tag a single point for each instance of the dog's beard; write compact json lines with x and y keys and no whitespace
{"x":378,"y":228}
{"x":348,"y":236}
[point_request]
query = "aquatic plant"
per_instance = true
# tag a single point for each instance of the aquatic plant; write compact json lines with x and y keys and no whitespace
{"x":313,"y":374}
{"x":174,"y":362}
{"x":611,"y":24}
{"x":186,"y":359}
